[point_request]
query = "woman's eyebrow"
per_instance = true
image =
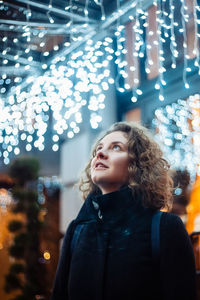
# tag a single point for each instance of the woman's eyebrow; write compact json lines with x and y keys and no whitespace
{"x":114,"y":142}
{"x":118,"y":142}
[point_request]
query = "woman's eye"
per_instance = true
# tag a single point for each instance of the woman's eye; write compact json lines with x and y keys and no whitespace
{"x":98,"y":149}
{"x":116,"y":147}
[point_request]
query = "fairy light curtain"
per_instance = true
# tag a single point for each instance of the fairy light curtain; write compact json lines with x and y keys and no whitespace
{"x":63,"y":90}
{"x":177,"y":129}
{"x":164,"y":36}
{"x":79,"y":81}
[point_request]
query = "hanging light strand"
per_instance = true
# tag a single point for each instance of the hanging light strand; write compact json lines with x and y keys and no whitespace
{"x":100,"y":3}
{"x":140,"y":23}
{"x":51,"y":20}
{"x":103,"y":16}
{"x":70,"y":23}
{"x":184,"y":20}
{"x":117,"y":61}
{"x":140,"y":45}
{"x":27,"y":31}
{"x":85,"y":9}
{"x":173,"y":44}
{"x":148,"y":61}
{"x":197,"y":35}
{"x":120,"y":62}
{"x":165,"y":15}
{"x":161,"y":59}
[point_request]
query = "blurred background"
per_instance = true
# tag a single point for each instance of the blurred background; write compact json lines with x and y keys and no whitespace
{"x":68,"y":70}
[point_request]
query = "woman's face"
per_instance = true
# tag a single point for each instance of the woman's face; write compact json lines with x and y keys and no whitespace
{"x":109,"y":167}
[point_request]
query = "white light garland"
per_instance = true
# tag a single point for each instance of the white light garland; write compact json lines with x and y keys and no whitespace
{"x":27,"y":32}
{"x":194,"y":105}
{"x":61,"y":92}
{"x":173,"y":44}
{"x":196,"y":9}
{"x":120,"y":53}
{"x":139,"y":46}
{"x":161,"y":59}
{"x":178,"y":131}
{"x":166,"y":22}
{"x":184,"y":19}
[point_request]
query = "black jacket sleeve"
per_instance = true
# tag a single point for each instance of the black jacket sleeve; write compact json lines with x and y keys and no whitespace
{"x":62,"y":273}
{"x":177,"y":267}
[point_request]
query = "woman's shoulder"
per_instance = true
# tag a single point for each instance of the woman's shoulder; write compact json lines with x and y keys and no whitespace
{"x":172,"y":227}
{"x":171,"y":219}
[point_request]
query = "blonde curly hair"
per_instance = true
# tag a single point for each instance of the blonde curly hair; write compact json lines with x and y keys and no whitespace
{"x":148,"y":170}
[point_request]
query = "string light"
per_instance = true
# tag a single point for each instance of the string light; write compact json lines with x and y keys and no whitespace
{"x":62,"y":89}
{"x":51,"y":20}
{"x":139,"y":25}
{"x":194,"y":106}
{"x":120,"y":53}
{"x":47,"y":255}
{"x":138,"y":28}
{"x":180,"y":143}
{"x":197,"y":35}
{"x":103,"y":16}
{"x":173,"y":44}
{"x":149,"y":61}
{"x":166,"y":21}
{"x":184,"y":19}
{"x":161,"y":59}
{"x":27,"y":32}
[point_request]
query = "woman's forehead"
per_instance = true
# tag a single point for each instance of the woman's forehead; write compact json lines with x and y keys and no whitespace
{"x":115,"y":136}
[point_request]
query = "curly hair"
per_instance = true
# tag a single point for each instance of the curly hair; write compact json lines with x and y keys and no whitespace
{"x":148,"y":170}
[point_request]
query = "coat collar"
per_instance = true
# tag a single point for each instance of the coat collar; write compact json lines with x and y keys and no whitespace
{"x":111,"y":207}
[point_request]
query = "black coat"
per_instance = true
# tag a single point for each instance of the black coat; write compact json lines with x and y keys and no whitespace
{"x":113,"y":258}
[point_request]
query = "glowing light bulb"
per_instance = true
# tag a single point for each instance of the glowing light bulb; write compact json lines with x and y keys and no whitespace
{"x":139,"y":92}
{"x":134,"y":99}
{"x":47,"y":255}
{"x":187,"y":85}
{"x":161,"y":97}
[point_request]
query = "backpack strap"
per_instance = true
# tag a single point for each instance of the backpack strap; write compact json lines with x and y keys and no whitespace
{"x":75,"y":237}
{"x":155,"y":235}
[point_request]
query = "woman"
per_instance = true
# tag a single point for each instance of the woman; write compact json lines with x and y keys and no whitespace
{"x":125,"y":182}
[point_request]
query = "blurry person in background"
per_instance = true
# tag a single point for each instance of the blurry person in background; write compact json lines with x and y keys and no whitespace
{"x":107,"y":250}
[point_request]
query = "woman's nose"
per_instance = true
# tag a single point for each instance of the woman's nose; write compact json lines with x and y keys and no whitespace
{"x":101,"y":154}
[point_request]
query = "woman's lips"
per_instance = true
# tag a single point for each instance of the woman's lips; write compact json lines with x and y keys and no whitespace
{"x":100,"y":165}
